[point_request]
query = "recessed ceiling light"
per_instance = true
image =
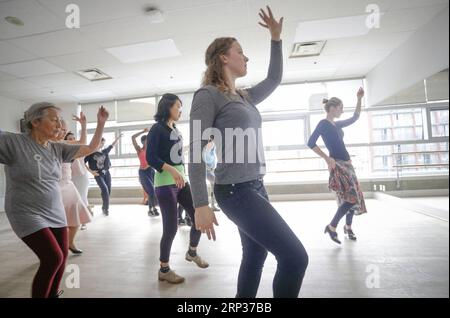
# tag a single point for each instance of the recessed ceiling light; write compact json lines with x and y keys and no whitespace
{"x":14,"y":21}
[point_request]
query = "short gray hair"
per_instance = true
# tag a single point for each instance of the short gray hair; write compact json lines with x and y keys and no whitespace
{"x":37,"y":111}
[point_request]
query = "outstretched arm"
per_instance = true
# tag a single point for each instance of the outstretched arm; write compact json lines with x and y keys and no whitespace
{"x":356,"y":114}
{"x":116,"y":140}
{"x":262,"y":90}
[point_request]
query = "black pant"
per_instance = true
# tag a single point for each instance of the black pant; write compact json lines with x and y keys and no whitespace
{"x":262,"y":230}
{"x":104,"y":182}
{"x":168,"y":198}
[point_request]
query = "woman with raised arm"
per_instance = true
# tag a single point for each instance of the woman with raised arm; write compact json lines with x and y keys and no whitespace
{"x":239,"y":189}
{"x":343,"y":178}
{"x":33,"y":201}
{"x":77,"y":212}
{"x":146,"y":173}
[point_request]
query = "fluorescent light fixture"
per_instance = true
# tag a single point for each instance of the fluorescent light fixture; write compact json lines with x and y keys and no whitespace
{"x":335,"y":28}
{"x":145,"y":51}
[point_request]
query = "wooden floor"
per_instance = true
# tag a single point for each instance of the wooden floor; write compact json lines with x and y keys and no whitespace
{"x":398,"y":254}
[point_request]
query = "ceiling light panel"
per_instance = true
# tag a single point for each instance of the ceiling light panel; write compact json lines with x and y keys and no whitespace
{"x":145,"y":51}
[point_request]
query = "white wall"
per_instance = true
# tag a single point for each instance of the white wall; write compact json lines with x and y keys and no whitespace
{"x":424,"y":54}
{"x":11,"y":111}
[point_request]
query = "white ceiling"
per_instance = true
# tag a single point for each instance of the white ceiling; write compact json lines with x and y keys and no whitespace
{"x":37,"y":60}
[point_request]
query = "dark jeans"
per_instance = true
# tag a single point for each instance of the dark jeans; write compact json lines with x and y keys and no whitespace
{"x":262,"y":230}
{"x":147,"y":177}
{"x":168,"y":198}
{"x":104,"y":182}
{"x":344,"y":209}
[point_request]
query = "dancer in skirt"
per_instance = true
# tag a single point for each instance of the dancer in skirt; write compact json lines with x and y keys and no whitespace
{"x":343,"y":178}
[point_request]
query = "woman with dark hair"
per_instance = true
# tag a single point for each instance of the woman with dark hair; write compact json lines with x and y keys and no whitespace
{"x":33,"y":201}
{"x":146,"y":173}
{"x":343,"y":178}
{"x":165,"y":154}
{"x":239,"y":189}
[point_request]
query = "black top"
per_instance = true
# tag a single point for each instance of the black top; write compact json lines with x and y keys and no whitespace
{"x":161,"y":142}
{"x":99,"y":161}
{"x":333,"y":137}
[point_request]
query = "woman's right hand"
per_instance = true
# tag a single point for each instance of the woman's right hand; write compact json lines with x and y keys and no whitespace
{"x":331,"y":164}
{"x":205,"y":220}
{"x":179,"y":180}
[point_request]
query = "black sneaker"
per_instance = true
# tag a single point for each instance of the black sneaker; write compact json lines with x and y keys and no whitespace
{"x":333,"y":235}
{"x":105,"y":212}
{"x":151,"y":213}
{"x":188,"y":221}
{"x":155,"y":211}
{"x":181,"y":222}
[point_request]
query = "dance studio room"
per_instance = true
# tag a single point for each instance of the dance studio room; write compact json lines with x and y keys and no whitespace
{"x":224,"y":148}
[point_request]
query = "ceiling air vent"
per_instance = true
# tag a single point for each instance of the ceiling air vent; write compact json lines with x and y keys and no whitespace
{"x":93,"y":74}
{"x":304,"y":49}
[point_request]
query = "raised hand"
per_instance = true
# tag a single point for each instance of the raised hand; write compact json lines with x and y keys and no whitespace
{"x":360,"y":93}
{"x":102,"y":115}
{"x":269,"y":22}
{"x":82,"y":119}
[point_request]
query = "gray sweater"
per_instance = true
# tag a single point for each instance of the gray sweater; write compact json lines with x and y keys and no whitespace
{"x":236,"y":124}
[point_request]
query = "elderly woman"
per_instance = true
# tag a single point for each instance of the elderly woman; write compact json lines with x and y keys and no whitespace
{"x":33,"y":199}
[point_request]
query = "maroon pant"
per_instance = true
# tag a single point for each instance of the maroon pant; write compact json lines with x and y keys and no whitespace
{"x":51,"y":247}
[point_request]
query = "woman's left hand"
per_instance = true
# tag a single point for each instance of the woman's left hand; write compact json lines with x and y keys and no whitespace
{"x":360,"y":93}
{"x":275,"y":27}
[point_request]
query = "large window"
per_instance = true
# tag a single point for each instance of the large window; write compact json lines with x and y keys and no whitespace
{"x":126,"y":143}
{"x":439,"y":123}
{"x":283,"y":132}
{"x":412,"y":140}
{"x":396,"y":125}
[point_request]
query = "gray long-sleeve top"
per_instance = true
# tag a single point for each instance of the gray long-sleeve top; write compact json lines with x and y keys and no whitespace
{"x":241,"y":157}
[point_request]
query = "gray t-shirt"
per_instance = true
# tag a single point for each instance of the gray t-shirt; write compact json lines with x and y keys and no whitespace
{"x":225,"y":112}
{"x":33,"y":197}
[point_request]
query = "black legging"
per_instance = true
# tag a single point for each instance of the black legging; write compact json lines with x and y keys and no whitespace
{"x":168,"y":198}
{"x":344,"y":209}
